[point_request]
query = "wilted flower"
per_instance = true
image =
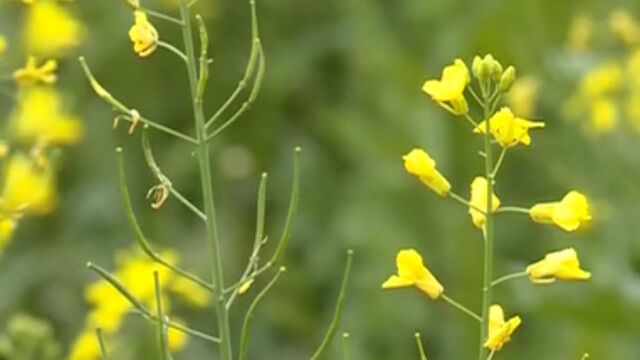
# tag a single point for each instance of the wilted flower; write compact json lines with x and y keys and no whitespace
{"x":479,"y":201}
{"x":412,"y":272}
{"x":569,"y":213}
{"x":448,"y":92}
{"x":563,"y":265}
{"x":418,"y":163}
{"x":509,"y":130}
{"x":500,"y":331}
{"x":31,"y":73}
{"x":143,"y":35}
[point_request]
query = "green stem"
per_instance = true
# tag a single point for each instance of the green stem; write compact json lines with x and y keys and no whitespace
{"x":160,"y":319}
{"x":206,"y":184}
{"x":460,"y":307}
{"x":162,"y":16}
{"x":473,"y":123}
{"x":464,"y":202}
{"x":513,"y":209}
{"x":488,"y":227}
{"x":338,"y":311}
{"x":345,"y":346}
{"x":423,"y":356}
{"x":173,"y":49}
{"x":508,"y":277}
{"x":101,"y":343}
{"x":491,"y":355}
{"x":246,"y":326}
{"x":494,"y":173}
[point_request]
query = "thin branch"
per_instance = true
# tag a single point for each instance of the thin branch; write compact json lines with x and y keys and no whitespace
{"x":461,"y":307}
{"x":512,"y":209}
{"x":120,"y":107}
{"x":509,"y":277}
{"x":162,"y":16}
{"x":423,"y":356}
{"x":160,"y":319}
{"x":139,"y":235}
{"x":113,"y":281}
{"x":101,"y":344}
{"x":163,"y":179}
{"x":244,"y":337}
{"x":173,"y":49}
{"x":338,"y":311}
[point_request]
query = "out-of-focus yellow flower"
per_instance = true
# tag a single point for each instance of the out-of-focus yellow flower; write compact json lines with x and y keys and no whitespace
{"x":3,"y":45}
{"x":563,"y":265}
{"x":143,"y":35}
{"x":39,"y":118}
{"x":479,"y":201}
{"x":523,"y":96}
{"x":31,"y":73}
{"x":448,"y":92}
{"x":500,"y":331}
{"x":633,"y":69}
{"x":580,"y":34}
{"x":507,"y":129}
{"x":27,"y":189}
{"x":7,"y":228}
{"x":85,"y":347}
{"x":569,"y":213}
{"x":412,"y":272}
{"x":135,"y":272}
{"x":176,"y":339}
{"x":602,"y":80}
{"x":604,"y":115}
{"x":624,"y":27}
{"x":418,"y":163}
{"x":50,"y":30}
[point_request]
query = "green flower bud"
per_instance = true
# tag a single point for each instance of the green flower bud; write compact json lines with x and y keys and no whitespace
{"x":507,"y":79}
{"x":496,"y":72}
{"x":476,"y":67}
{"x":486,"y":70}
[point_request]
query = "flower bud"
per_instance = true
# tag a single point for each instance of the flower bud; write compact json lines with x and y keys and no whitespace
{"x":476,"y":66}
{"x":496,"y":72}
{"x":507,"y":79}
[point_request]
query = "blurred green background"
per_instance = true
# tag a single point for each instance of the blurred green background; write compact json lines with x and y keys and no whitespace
{"x":343,"y":81}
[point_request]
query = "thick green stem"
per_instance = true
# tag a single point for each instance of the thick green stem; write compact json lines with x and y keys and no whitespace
{"x":206,"y":183}
{"x":488,"y":228}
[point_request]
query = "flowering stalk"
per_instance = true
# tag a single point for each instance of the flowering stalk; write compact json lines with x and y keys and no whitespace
{"x":202,"y":153}
{"x":488,"y":226}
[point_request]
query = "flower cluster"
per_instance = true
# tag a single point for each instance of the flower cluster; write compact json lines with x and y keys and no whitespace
{"x":502,"y":130}
{"x":608,"y":92}
{"x":38,"y":120}
{"x":109,"y":308}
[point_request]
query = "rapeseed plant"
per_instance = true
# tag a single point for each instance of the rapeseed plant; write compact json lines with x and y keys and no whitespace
{"x":502,"y":129}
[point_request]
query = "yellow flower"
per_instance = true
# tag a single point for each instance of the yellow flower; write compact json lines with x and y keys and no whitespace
{"x":624,"y":27}
{"x":479,"y":201}
{"x":27,"y":188}
{"x":602,"y":80}
{"x":51,"y":30}
{"x":580,"y":33}
{"x":143,"y":35}
{"x":523,"y":96}
{"x":3,"y":45}
{"x":500,"y":331}
{"x":412,"y":272}
{"x":85,"y":347}
{"x":509,"y":130}
{"x":7,"y":228}
{"x":604,"y":115}
{"x":418,"y":163}
{"x":32,"y":74}
{"x":448,"y":92}
{"x":633,"y":111}
{"x":563,"y":265}
{"x":135,"y":272}
{"x":38,"y":118}
{"x":176,"y":339}
{"x":569,"y":213}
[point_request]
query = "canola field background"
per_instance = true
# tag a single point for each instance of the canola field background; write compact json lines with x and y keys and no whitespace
{"x":343,"y":81}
